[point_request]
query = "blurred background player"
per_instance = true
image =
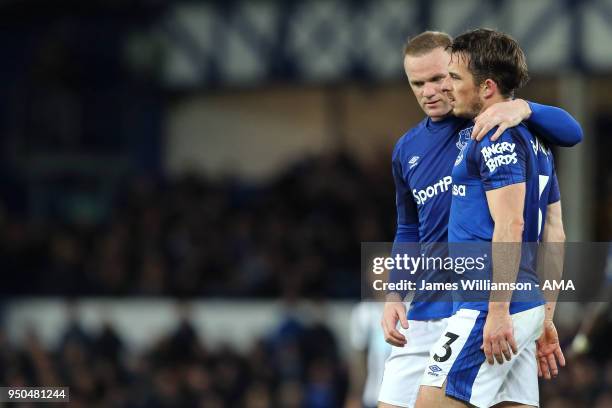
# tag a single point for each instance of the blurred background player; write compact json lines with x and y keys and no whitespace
{"x":370,"y":351}
{"x":595,"y":321}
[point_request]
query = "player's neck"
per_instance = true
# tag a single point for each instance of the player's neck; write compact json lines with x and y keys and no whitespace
{"x":440,"y":118}
{"x":492,"y":101}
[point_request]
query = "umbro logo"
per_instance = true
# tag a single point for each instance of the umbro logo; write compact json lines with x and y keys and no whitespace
{"x":413,"y":161}
{"x":434,"y":370}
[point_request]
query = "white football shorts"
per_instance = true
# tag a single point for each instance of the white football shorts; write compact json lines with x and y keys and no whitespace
{"x":457,"y":359}
{"x":405,"y":365}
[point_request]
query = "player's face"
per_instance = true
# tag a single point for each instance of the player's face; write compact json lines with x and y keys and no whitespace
{"x":426,"y":74}
{"x":460,"y":88}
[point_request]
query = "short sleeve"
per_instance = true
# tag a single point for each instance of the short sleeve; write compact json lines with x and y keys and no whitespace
{"x":503,"y":162}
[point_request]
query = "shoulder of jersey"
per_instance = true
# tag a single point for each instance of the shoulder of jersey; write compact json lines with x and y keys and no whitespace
{"x":410,"y":135}
{"x":508,"y":133}
{"x":520,"y":133}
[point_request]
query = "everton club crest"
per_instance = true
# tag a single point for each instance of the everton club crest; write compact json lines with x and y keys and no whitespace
{"x":464,"y":137}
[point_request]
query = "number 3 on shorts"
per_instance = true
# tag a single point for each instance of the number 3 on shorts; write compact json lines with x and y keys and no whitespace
{"x":447,"y":349}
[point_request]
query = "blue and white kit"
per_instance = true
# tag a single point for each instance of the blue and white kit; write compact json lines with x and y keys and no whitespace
{"x":422,"y":164}
{"x":516,"y":157}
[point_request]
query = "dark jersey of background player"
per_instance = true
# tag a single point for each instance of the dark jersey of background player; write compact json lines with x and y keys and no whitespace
{"x":422,"y":163}
{"x":516,"y":157}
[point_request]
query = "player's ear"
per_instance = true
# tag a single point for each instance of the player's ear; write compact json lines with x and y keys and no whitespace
{"x":488,"y":88}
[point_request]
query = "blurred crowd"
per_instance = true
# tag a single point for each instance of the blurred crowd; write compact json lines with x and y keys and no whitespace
{"x":294,"y":366}
{"x":297,"y":235}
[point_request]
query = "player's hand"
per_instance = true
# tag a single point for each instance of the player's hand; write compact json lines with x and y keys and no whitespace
{"x":393,"y":312}
{"x":503,"y":114}
{"x":498,"y":337}
{"x":549,"y":352}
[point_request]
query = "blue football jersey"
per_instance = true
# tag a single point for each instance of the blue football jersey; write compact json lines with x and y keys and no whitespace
{"x":422,"y":164}
{"x":516,"y":157}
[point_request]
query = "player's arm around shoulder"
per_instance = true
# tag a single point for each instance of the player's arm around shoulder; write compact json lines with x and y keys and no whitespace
{"x":556,"y":125}
{"x":493,"y":121}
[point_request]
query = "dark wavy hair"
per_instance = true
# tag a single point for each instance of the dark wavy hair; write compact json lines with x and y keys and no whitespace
{"x":495,"y":55}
